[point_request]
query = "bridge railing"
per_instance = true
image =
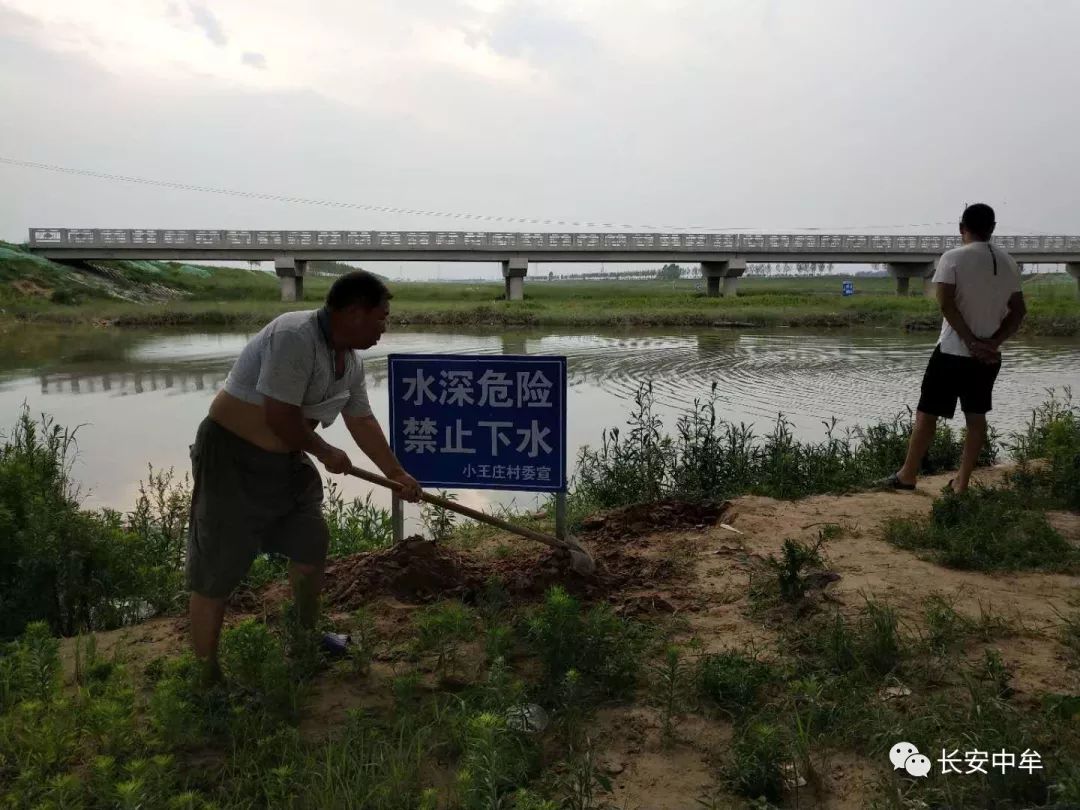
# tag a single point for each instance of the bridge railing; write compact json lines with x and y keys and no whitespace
{"x":523,"y":242}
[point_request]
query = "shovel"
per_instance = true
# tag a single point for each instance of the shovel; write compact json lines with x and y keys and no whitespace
{"x":580,"y":559}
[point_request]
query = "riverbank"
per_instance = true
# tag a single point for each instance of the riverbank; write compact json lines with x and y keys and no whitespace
{"x":762,"y":303}
{"x":748,"y":633}
{"x":692,"y":678}
{"x":141,"y":294}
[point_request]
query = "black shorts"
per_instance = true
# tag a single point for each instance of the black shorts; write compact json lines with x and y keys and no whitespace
{"x":950,"y":377}
{"x":247,"y":500}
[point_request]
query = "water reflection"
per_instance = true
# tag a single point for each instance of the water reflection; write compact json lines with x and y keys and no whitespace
{"x":139,"y":394}
{"x":136,"y":382}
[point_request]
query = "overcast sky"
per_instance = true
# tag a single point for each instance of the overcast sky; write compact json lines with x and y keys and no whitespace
{"x":756,"y":114}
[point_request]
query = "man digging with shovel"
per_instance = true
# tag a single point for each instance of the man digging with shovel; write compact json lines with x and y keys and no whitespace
{"x":255,"y":489}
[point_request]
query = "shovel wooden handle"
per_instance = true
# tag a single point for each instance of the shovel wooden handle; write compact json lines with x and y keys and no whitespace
{"x":475,"y":514}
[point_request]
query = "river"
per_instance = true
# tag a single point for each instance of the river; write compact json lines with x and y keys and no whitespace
{"x":137,"y":395}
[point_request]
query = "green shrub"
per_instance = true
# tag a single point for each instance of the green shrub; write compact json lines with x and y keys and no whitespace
{"x":732,"y":681}
{"x":38,"y":730}
{"x":670,"y":689}
{"x":945,"y":628}
{"x":38,"y":741}
{"x":176,"y":711}
{"x":30,"y":667}
{"x":365,"y":641}
{"x":72,"y":568}
{"x":1053,"y":437}
{"x":65,"y":296}
{"x":493,"y":763}
{"x":757,"y":761}
{"x":603,"y":648}
{"x":792,"y":567}
{"x":441,"y":629}
{"x":582,"y":783}
{"x":710,"y":459}
{"x":253,"y":660}
{"x":498,"y":641}
{"x":573,"y":705}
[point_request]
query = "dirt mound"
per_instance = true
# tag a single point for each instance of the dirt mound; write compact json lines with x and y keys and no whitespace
{"x":419,"y":571}
{"x":616,"y":572}
{"x":644,"y":519}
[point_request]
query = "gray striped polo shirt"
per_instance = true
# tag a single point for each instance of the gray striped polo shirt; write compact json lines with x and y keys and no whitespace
{"x":291,"y":360}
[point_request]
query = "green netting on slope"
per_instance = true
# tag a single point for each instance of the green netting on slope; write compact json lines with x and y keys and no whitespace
{"x":191,"y":270}
{"x":20,"y":255}
{"x":146,"y":267}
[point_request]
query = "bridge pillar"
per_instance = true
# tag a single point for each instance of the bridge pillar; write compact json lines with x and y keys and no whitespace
{"x":735,"y":270}
{"x":514,"y":271}
{"x":928,"y":286}
{"x":903,"y":272}
{"x":291,"y":273}
{"x":713,"y":273}
{"x":1073,"y":269}
{"x":722,"y":278}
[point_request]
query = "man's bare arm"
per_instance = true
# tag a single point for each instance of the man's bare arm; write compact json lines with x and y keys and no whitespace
{"x":1011,"y":324}
{"x":369,"y":437}
{"x":288,"y":423}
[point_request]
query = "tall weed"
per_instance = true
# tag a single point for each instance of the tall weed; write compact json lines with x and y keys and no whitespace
{"x":1052,"y":441}
{"x":711,"y":459}
{"x":356,"y":525}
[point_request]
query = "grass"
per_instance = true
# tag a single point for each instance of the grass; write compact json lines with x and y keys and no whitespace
{"x":441,"y":629}
{"x":114,"y":739}
{"x":986,"y":529}
{"x":833,"y":694}
{"x":208,"y":296}
{"x":733,"y":681}
{"x":114,"y":742}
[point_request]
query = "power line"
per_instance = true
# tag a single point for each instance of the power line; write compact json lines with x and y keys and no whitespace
{"x":388,"y":209}
{"x":384,"y":209}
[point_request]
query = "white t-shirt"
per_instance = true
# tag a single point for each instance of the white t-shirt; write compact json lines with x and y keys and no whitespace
{"x":981,"y":295}
{"x":291,"y":360}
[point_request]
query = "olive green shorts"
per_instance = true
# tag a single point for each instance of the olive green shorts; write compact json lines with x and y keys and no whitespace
{"x":247,"y":500}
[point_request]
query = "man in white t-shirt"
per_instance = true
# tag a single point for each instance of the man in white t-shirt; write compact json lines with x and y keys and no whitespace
{"x":978,"y":289}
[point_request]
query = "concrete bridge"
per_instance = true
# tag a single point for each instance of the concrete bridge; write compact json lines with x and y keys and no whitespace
{"x":723,"y":257}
